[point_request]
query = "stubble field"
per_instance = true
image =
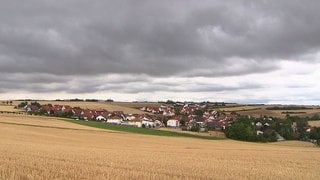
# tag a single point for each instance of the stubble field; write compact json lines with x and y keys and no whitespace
{"x":38,"y":148}
{"x":314,"y":123}
{"x":262,"y":110}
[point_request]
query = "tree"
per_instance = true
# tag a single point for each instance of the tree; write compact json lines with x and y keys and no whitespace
{"x":195,"y":127}
{"x":198,"y":112}
{"x":177,"y":110}
{"x":170,"y":102}
{"x":284,"y":128}
{"x":183,"y":122}
{"x":241,"y":129}
{"x":315,"y":134}
{"x":22,"y":104}
{"x":42,"y":111}
{"x":301,"y":124}
{"x":35,"y":103}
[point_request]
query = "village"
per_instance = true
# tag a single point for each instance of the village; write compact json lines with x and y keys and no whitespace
{"x":188,"y":116}
{"x":185,"y":116}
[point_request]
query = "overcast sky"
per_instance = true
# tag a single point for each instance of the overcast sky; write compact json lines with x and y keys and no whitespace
{"x":244,"y":51}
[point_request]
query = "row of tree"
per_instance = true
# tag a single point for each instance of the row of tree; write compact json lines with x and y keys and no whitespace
{"x":7,"y":102}
{"x":243,"y":129}
{"x":291,"y":128}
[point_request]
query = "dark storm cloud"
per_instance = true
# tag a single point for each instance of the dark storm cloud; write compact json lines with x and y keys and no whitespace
{"x":157,"y":38}
{"x":61,"y":39}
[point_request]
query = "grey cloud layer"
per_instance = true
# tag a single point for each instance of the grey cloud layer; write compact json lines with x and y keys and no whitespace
{"x":44,"y":44}
{"x":153,"y":37}
{"x":45,"y":83}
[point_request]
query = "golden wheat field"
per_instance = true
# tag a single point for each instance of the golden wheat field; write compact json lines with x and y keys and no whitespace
{"x":38,"y":148}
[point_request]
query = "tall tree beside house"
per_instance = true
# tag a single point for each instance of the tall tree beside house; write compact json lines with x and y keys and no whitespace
{"x":242,"y":129}
{"x":284,"y":128}
{"x":42,"y":111}
{"x":65,"y":114}
{"x":195,"y":127}
{"x":22,"y":104}
{"x":177,"y":110}
{"x":315,"y":134}
{"x":35,"y":103}
{"x":301,"y":124}
{"x":183,"y":123}
{"x":198,"y":112}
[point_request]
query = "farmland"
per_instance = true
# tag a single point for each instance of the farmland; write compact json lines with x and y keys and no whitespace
{"x":133,"y":108}
{"x":314,"y":123}
{"x":270,"y":110}
{"x":8,"y":108}
{"x":34,"y":147}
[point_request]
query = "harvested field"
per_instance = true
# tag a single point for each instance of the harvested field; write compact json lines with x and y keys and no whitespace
{"x":294,"y":144}
{"x":8,"y":108}
{"x":42,"y":121}
{"x":40,"y":152}
{"x":314,"y":123}
{"x":261,"y":110}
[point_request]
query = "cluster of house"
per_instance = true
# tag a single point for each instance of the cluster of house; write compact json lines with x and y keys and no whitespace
{"x":263,"y":126}
{"x":189,"y":115}
{"x":102,"y":115}
{"x":175,"y":116}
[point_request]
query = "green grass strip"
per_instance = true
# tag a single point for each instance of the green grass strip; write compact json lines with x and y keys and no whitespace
{"x":146,"y":131}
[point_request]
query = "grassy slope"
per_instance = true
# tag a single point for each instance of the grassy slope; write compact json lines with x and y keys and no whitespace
{"x":136,"y":130}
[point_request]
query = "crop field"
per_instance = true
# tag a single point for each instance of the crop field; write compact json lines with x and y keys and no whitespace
{"x":261,"y":110}
{"x":8,"y":108}
{"x":314,"y":123}
{"x":35,"y":147}
{"x":42,"y":121}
